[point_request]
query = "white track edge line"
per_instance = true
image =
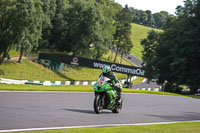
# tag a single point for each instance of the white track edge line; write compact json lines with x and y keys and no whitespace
{"x":7,"y":91}
{"x":89,"y":126}
{"x":57,"y":92}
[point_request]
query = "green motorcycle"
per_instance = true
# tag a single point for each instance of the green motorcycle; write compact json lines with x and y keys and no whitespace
{"x":105,"y":96}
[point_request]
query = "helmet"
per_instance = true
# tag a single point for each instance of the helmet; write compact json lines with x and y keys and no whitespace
{"x":106,"y":69}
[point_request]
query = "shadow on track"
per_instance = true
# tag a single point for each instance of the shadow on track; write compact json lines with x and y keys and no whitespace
{"x":186,"y":116}
{"x":85,"y":111}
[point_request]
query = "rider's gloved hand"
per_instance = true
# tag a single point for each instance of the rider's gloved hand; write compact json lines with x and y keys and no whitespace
{"x":112,"y":85}
{"x":118,"y":84}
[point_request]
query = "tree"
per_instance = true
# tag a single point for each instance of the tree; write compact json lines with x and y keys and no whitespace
{"x":60,"y":28}
{"x":177,"y":52}
{"x":7,"y":24}
{"x":161,"y":19}
{"x":150,"y":21}
{"x":123,"y":31}
{"x":28,"y":25}
{"x":149,"y":57}
{"x":49,"y":10}
{"x":186,"y":50}
{"x":110,"y":9}
{"x":78,"y":24}
{"x":156,"y":20}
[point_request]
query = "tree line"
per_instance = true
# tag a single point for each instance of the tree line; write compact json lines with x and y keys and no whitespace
{"x":147,"y":18}
{"x":78,"y":27}
{"x":173,"y":56}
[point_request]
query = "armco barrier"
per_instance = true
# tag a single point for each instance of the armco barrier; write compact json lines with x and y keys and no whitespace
{"x":149,"y":89}
{"x":12,"y":81}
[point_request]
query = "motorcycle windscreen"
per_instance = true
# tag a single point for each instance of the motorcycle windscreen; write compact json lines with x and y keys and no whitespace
{"x":102,"y":80}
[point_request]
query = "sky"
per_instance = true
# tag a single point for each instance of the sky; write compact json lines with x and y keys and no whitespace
{"x":153,"y":5}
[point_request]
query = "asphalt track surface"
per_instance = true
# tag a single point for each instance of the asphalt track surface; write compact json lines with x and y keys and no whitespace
{"x":134,"y":59}
{"x":23,"y":110}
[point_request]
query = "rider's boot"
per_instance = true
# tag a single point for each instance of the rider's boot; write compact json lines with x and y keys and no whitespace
{"x":119,"y":96}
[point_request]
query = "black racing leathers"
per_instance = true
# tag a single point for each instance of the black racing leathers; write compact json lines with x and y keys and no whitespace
{"x":114,"y":80}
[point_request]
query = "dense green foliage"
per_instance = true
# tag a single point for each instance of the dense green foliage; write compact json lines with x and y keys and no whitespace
{"x":173,"y":56}
{"x":156,"y":20}
{"x":7,"y":27}
{"x":78,"y":27}
{"x":21,"y":25}
{"x":123,"y":42}
{"x":28,"y":23}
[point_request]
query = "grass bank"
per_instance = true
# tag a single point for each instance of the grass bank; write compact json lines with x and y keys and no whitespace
{"x":186,"y":127}
{"x":33,"y":71}
{"x":139,"y":32}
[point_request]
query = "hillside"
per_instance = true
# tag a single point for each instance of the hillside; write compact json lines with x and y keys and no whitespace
{"x":33,"y":71}
{"x":139,"y":32}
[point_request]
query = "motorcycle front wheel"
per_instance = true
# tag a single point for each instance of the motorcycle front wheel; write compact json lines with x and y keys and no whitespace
{"x":98,"y":104}
{"x":117,"y":108}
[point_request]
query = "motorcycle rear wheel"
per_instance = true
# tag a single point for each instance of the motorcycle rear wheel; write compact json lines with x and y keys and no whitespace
{"x":98,"y":104}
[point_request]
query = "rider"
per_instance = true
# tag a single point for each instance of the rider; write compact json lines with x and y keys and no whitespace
{"x":106,"y":71}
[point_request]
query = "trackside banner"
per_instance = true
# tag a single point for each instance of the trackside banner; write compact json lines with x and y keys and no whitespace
{"x":80,"y":61}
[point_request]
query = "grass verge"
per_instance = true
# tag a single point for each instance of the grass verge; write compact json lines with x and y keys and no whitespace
{"x":79,"y":88}
{"x":13,"y":87}
{"x":185,"y":127}
{"x":189,"y":95}
{"x":138,"y":80}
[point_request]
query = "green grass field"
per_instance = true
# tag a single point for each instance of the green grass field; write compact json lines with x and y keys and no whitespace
{"x":185,"y":127}
{"x":139,"y":32}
